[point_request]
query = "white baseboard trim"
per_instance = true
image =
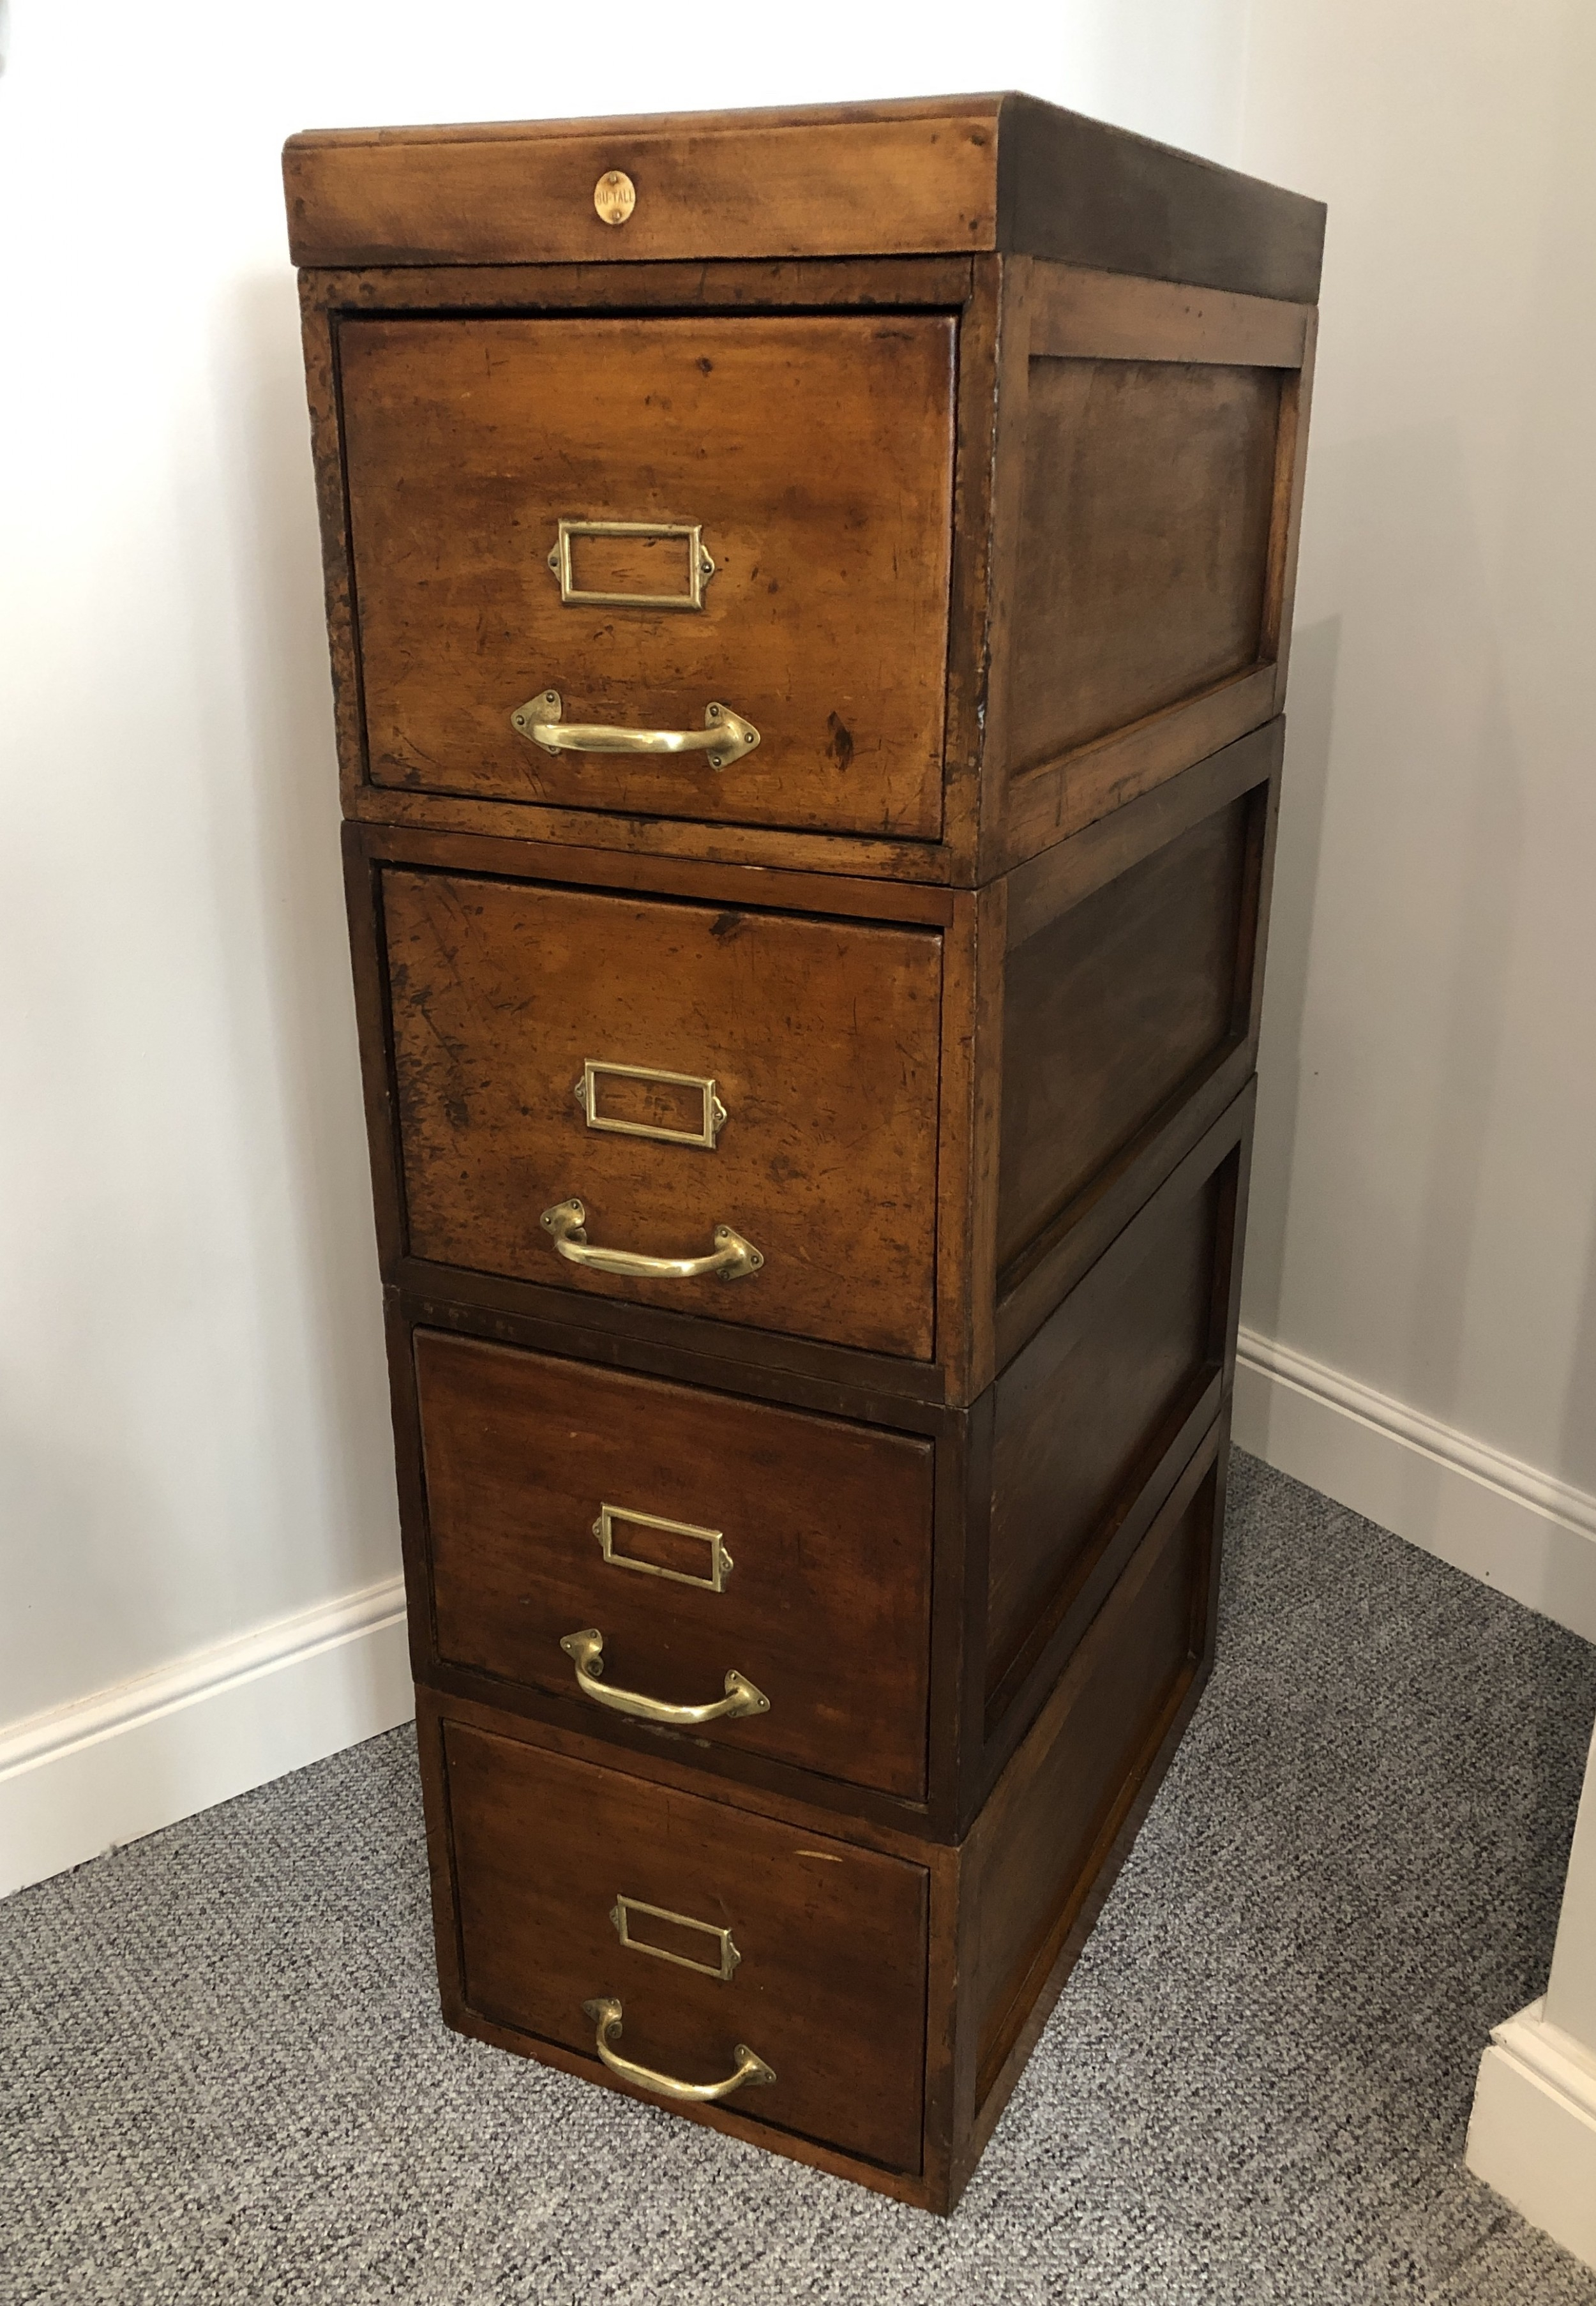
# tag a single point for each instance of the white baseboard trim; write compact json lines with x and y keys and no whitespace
{"x":1532,"y":2132}
{"x":84,"y":1778}
{"x":1502,"y":1521}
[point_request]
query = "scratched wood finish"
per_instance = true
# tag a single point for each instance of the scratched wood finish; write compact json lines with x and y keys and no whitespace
{"x":1108,"y":1714}
{"x":825,"y":182}
{"x":895,"y":1986}
{"x":1144,"y":550}
{"x":824,"y":624}
{"x":1150,"y":480}
{"x":1090,"y":1406}
{"x":831,"y":1987}
{"x":1109,"y":1008}
{"x":833,"y":1625}
{"x":1100,"y":1010}
{"x":949,"y":173}
{"x":994,"y":422}
{"x":822,"y":1037}
{"x":1120,"y":435}
{"x":910,"y":1581}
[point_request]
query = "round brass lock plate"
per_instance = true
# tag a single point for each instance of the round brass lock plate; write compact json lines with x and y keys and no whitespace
{"x":614,"y":196}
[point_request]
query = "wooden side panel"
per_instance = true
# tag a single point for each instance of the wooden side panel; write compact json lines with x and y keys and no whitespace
{"x":1131,"y":1012}
{"x":825,"y":1605}
{"x":822,"y":1037}
{"x":830,"y":1985}
{"x":1152,"y":571}
{"x":1109,"y":1008}
{"x":1057,"y":1806}
{"x":1087,"y":1410}
{"x":815,"y":455}
{"x":1145,"y":549}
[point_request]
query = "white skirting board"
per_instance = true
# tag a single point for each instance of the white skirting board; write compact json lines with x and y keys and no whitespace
{"x":1532,"y":1537}
{"x":126,"y":1761}
{"x":1532,"y":2133}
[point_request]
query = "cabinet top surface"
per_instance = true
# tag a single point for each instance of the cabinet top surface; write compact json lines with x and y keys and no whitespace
{"x":928,"y":175}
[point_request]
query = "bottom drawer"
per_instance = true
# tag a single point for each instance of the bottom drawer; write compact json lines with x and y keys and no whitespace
{"x":714,"y":1931}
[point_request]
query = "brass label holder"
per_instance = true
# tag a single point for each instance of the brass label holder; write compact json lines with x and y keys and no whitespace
{"x":700,"y":566}
{"x":726,"y":1957}
{"x":720,"y":1560}
{"x":586,"y":1094}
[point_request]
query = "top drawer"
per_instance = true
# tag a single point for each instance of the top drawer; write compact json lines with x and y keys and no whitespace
{"x":809,"y":459}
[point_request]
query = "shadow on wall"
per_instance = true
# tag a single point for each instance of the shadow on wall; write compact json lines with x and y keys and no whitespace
{"x":1579,"y":1413}
{"x":276,"y":832}
{"x":1311,"y":709}
{"x":1474,"y":796}
{"x":1398,"y":883}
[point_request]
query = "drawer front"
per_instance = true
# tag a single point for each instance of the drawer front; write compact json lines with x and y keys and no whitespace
{"x":826,"y":1957}
{"x":800,"y":1554}
{"x":809,"y":459}
{"x":821,"y":1040}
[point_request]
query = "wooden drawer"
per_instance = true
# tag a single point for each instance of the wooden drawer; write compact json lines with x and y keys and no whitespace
{"x":893,"y":1985}
{"x":805,"y":1563}
{"x":906,"y":1595}
{"x":808,"y":629}
{"x":820,"y":1038}
{"x":825,"y":1943}
{"x":809,"y":457}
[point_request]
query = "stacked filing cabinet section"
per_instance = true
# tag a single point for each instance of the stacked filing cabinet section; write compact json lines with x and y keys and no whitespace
{"x":809,"y":596}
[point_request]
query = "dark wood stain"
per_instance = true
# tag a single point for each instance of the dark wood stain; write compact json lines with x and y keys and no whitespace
{"x":826,"y":1609}
{"x":830,"y":1990}
{"x":1037,"y":1833}
{"x":1084,"y":1410}
{"x":1149,"y":493}
{"x":1004,"y":172}
{"x":822,"y":1037}
{"x":468,"y":442}
{"x":995,"y":421}
{"x":1109,"y":1009}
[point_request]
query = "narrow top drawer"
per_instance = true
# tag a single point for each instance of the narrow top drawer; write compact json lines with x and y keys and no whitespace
{"x":644,"y":518}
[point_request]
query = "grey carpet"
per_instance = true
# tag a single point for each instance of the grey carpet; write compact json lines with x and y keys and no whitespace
{"x":225,"y":2079}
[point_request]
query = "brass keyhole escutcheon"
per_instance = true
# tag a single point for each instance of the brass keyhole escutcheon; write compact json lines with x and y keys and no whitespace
{"x":614,"y":196}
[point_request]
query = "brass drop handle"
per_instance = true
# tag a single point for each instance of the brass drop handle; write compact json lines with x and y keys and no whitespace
{"x":732,"y":1259}
{"x":606,"y":2014}
{"x":585,"y":1650}
{"x":724,"y":737}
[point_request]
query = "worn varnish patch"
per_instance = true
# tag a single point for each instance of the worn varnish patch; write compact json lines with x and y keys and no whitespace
{"x":822,"y":1037}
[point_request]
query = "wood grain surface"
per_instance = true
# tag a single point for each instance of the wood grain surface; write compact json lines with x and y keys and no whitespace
{"x":1145,"y":551}
{"x":1109,"y":1008}
{"x":831,"y":1986}
{"x":822,"y":1035}
{"x":828,"y":183}
{"x":1085,"y":1412}
{"x":1037,"y":1834}
{"x":946,"y":173}
{"x":826,"y":1608}
{"x":815,"y":453}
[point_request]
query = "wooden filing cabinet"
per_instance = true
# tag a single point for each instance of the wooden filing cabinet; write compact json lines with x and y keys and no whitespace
{"x":808,"y":595}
